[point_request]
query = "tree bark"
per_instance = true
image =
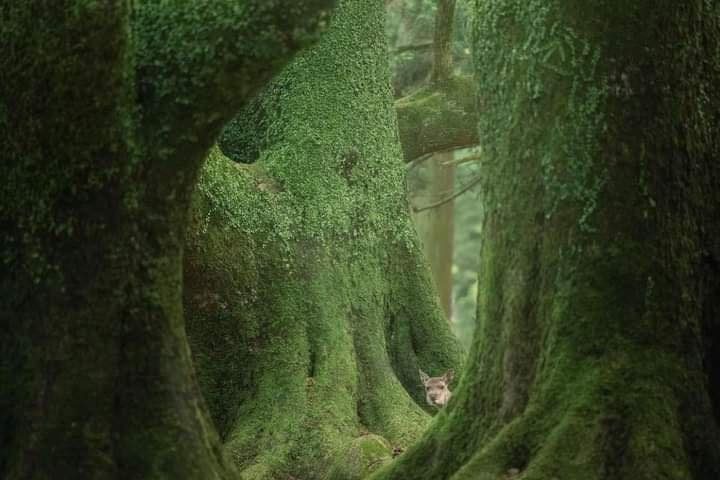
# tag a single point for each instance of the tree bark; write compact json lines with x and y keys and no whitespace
{"x":596,"y":349}
{"x":309,"y":306}
{"x":442,"y":43}
{"x":106,"y":114}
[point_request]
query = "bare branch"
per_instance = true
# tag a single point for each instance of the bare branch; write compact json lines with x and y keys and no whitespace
{"x":452,"y":197}
{"x":413,"y":47}
{"x":427,"y":156}
{"x":462,"y":161}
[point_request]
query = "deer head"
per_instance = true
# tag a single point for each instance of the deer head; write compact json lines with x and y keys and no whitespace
{"x":437,"y":392}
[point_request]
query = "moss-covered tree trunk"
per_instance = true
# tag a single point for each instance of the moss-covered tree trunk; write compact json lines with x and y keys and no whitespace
{"x":310,"y":308}
{"x":596,"y":353}
{"x":107,"y":111}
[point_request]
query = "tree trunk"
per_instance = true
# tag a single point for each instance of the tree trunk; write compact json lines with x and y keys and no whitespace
{"x":102,"y":133}
{"x":442,"y":43}
{"x":436,"y":227}
{"x":596,"y":350}
{"x":309,"y":306}
{"x":439,"y":242}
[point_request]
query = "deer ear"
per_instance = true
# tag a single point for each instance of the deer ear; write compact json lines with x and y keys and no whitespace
{"x":424,"y":377}
{"x":449,"y":375}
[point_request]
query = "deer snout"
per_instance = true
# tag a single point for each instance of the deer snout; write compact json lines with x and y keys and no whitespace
{"x":437,"y":399}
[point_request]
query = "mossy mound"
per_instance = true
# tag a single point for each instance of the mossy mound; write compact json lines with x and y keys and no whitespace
{"x":365,"y":455}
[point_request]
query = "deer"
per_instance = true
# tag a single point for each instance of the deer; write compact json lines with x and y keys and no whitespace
{"x":437,"y":393}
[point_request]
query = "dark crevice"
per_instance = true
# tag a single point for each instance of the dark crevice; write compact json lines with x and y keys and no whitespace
{"x":613,"y":441}
{"x":247,"y":135}
{"x":361,"y":402}
{"x":521,"y":356}
{"x":702,"y":432}
{"x":312,"y":366}
{"x":711,"y":330}
{"x":348,"y":161}
{"x":519,"y":458}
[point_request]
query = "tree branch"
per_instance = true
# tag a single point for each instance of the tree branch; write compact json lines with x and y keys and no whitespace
{"x":442,"y":116}
{"x":435,"y":119}
{"x":413,"y":47}
{"x":427,"y":156}
{"x":463,"y":160}
{"x":198,"y":62}
{"x":452,"y":197}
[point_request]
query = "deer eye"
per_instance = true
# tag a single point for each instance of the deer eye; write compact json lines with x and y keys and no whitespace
{"x":442,"y":387}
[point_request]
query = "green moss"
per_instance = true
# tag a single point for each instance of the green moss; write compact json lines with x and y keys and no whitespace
{"x":365,"y":455}
{"x":303,"y":265}
{"x":434,"y":119}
